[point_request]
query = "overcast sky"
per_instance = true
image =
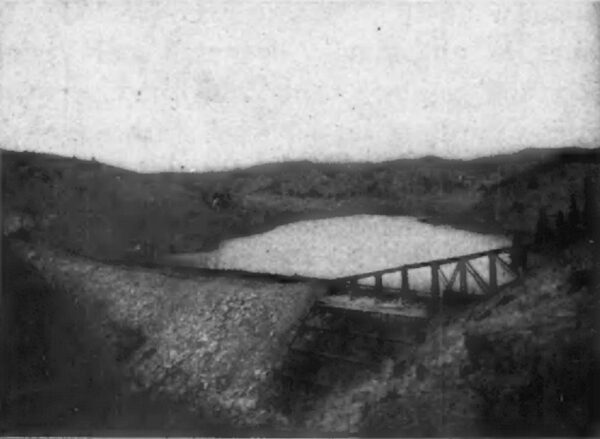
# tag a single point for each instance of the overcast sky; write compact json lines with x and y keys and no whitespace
{"x":155,"y":85}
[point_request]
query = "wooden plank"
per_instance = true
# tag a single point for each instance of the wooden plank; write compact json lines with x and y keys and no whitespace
{"x":387,"y":294}
{"x":360,"y":334}
{"x":435,"y":282}
{"x":329,"y":356}
{"x":506,"y":266}
{"x":379,"y":283}
{"x":462,"y":269}
{"x":405,"y":282}
{"x":478,"y":278}
{"x":397,"y":314}
{"x":493,"y":284}
{"x":453,"y":277}
{"x":428,"y":263}
{"x":443,"y":278}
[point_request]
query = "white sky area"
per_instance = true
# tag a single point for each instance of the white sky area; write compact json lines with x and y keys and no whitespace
{"x":153,"y":85}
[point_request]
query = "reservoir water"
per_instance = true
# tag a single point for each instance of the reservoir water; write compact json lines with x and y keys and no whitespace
{"x":342,"y":246}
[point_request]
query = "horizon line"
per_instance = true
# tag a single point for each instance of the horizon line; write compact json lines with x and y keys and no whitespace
{"x":184,"y":170}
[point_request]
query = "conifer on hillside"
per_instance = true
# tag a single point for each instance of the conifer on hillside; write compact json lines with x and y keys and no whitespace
{"x":590,"y":207}
{"x":561,"y":228}
{"x":574,"y":215}
{"x":543,"y":232}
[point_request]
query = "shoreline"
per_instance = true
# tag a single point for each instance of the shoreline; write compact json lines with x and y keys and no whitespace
{"x":459,"y":220}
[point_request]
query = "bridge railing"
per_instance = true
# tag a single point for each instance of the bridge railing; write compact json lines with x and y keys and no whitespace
{"x":462,"y":271}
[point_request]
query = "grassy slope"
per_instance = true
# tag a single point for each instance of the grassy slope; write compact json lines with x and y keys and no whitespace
{"x":100,"y":210}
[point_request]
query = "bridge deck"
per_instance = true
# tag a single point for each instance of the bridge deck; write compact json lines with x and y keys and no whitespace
{"x":423,"y":264}
{"x":373,"y":306}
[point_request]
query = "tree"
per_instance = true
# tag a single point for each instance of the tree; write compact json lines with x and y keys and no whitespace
{"x":543,"y":232}
{"x":518,"y":207}
{"x":561,"y":228}
{"x":518,"y":257}
{"x":590,"y":207}
{"x":427,"y":183}
{"x":574,"y":217}
{"x":533,"y":182}
{"x":446,"y":181}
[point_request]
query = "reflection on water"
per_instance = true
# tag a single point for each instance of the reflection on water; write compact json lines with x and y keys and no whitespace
{"x":343,"y":246}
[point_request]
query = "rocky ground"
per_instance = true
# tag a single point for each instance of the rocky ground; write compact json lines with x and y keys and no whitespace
{"x":199,"y":343}
{"x":519,"y":364}
{"x":56,"y":379}
{"x":132,"y":349}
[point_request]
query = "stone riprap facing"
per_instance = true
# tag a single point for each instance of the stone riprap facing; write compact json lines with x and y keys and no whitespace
{"x":207,"y":341}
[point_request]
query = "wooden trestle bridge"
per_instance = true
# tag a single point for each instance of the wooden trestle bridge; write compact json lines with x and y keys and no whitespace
{"x":440,"y":283}
{"x":338,"y":338}
{"x":333,"y":342}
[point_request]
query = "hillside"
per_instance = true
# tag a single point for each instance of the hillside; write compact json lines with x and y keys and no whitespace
{"x":102,"y":211}
{"x":105,"y":212}
{"x":523,"y":363}
{"x":151,"y":346}
{"x":518,"y":363}
{"x":546,"y":185}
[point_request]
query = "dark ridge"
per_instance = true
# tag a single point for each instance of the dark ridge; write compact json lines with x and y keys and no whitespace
{"x":554,"y":160}
{"x":561,"y":155}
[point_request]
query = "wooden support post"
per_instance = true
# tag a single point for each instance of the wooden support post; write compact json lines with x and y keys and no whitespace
{"x":352,"y":285}
{"x":463,"y":276}
{"x":405,"y":284}
{"x":493,"y":283}
{"x":379,"y":283}
{"x":435,"y":283}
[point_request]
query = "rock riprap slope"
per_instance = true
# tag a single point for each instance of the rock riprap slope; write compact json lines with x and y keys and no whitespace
{"x":207,"y":341}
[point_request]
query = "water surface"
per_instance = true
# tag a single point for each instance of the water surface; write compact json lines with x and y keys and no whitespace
{"x":342,"y":246}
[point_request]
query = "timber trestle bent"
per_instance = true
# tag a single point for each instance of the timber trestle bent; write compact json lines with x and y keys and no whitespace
{"x":332,"y":345}
{"x":337,"y":339}
{"x":441,"y":284}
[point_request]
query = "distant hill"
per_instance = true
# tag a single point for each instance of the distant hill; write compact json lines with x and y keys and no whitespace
{"x":100,"y":210}
{"x":529,"y":155}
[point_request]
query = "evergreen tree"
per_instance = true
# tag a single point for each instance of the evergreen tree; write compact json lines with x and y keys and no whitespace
{"x":590,"y":207}
{"x":542,"y":229}
{"x":446,"y":182}
{"x":574,"y":217}
{"x":533,"y":182}
{"x":561,"y":228}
